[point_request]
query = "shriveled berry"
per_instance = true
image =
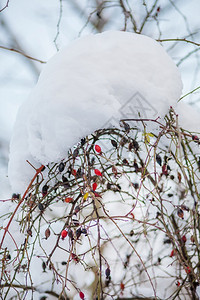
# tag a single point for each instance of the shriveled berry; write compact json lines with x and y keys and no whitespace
{"x":70,"y":234}
{"x":44,"y":266}
{"x":84,"y":231}
{"x":75,"y":153}
{"x":97,"y":148}
{"x":107,"y":272}
{"x":114,"y":143}
{"x":135,"y":145}
{"x":83,"y":141}
{"x":78,"y":233}
{"x":64,"y":233}
{"x":158,"y":159}
{"x":47,"y":233}
{"x":41,"y":206}
{"x":15,"y":196}
{"x":184,"y":239}
{"x":44,"y":190}
{"x":180,"y":213}
{"x":77,"y":209}
{"x":164,"y":170}
{"x":195,"y":138}
{"x":61,"y":167}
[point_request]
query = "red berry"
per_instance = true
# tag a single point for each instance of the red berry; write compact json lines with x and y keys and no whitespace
{"x":172,"y":253}
{"x":82,"y":296}
{"x":64,"y":234}
{"x":97,"y":148}
{"x":164,"y":170}
{"x":187,"y":270}
{"x":122,"y":286}
{"x":68,"y":199}
{"x":178,"y":283}
{"x":74,"y":172}
{"x":97,"y":172}
{"x":195,"y":138}
{"x":184,"y":239}
{"x":94,"y":186}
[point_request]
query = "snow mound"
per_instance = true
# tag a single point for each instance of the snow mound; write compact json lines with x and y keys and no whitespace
{"x":96,"y":81}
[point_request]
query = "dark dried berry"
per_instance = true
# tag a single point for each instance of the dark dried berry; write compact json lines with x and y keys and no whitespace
{"x":41,"y":206}
{"x":61,"y":167}
{"x":75,"y":153}
{"x":170,"y":195}
{"x":15,"y":196}
{"x":135,"y":145}
{"x":167,"y":241}
{"x":114,"y":143}
{"x":172,"y":177}
{"x":47,"y":233}
{"x":84,"y":231}
{"x":44,"y":190}
{"x":8,"y":257}
{"x":70,"y":234}
{"x":29,"y":231}
{"x":109,"y":186}
{"x":195,"y":138}
{"x":107,"y":272}
{"x":77,"y":209}
{"x":126,"y":126}
{"x":78,"y":233}
{"x":44,"y":266}
{"x":131,"y":233}
{"x":184,"y":207}
{"x":180,"y":213}
{"x":63,"y":263}
{"x":136,"y":186}
{"x":83,"y":141}
{"x":125,"y":162}
{"x":158,"y":159}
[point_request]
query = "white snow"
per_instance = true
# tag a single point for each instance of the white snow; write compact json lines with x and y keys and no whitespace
{"x":96,"y":79}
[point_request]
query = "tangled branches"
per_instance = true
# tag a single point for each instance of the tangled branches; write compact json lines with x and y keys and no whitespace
{"x":114,"y":220}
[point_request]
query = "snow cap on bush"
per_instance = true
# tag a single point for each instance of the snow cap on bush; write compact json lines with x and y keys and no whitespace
{"x":97,"y":80}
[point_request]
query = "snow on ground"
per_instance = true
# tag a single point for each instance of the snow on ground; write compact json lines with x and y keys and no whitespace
{"x":97,"y":80}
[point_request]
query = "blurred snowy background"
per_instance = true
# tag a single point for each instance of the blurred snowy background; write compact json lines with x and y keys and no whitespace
{"x":40,"y":28}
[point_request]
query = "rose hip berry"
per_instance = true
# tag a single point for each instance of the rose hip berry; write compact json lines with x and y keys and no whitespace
{"x":64,"y":234}
{"x":97,"y":148}
{"x":81,"y":295}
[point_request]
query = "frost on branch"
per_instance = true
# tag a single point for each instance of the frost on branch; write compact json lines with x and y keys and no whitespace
{"x":117,"y":218}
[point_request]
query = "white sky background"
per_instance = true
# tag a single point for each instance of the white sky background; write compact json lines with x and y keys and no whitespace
{"x":32,"y":25}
